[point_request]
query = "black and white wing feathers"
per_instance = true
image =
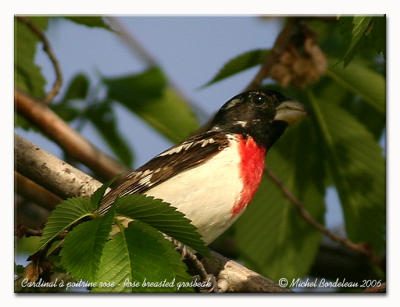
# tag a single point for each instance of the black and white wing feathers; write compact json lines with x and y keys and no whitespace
{"x":174,"y":160}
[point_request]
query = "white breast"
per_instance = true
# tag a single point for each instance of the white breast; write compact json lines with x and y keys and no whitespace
{"x":206,"y":193}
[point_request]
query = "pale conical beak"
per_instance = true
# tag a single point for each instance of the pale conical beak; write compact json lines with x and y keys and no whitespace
{"x":290,"y":112}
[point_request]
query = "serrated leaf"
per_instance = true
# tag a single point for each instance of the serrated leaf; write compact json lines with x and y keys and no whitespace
{"x":115,"y":266}
{"x":359,"y":79}
{"x":357,"y":166}
{"x":163,"y":217}
{"x":141,"y":254}
{"x":27,"y":74}
{"x":65,"y":215}
{"x":361,"y":25}
{"x":89,"y":21}
{"x":271,"y":236}
{"x":99,"y":193}
{"x":83,"y":246}
{"x":102,"y":116}
{"x":240,"y":63}
{"x":147,"y":95}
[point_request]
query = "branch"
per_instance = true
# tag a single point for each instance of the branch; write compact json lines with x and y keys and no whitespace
{"x":234,"y":277}
{"x":67,"y":138}
{"x":32,"y":191}
{"x":47,"y":48}
{"x":67,"y":181}
{"x":360,"y":248}
{"x":50,"y":172}
{"x":279,"y":47}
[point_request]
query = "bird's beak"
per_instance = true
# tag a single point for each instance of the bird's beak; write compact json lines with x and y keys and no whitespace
{"x":290,"y":112}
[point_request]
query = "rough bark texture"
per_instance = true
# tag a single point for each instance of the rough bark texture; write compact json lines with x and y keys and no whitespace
{"x":50,"y":172}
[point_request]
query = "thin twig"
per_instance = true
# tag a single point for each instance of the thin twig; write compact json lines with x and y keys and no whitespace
{"x":133,"y":44}
{"x":279,"y":47}
{"x":361,"y":248}
{"x":47,"y":48}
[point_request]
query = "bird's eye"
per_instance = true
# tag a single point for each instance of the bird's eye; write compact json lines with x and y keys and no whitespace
{"x":259,"y":99}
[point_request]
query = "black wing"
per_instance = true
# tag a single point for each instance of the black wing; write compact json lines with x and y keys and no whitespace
{"x":174,"y":160}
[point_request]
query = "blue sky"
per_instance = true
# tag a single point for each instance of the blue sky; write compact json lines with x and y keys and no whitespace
{"x":189,"y":49}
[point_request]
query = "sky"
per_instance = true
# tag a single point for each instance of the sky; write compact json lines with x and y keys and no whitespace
{"x":190,"y":51}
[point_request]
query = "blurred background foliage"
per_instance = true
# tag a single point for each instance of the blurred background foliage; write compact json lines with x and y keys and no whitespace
{"x":336,"y":146}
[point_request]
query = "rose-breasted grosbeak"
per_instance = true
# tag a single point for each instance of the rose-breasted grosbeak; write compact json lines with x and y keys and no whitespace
{"x":212,"y":176}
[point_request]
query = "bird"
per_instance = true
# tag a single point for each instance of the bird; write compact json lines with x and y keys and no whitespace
{"x":212,"y":176}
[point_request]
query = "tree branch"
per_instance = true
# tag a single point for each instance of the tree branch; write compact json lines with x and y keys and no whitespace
{"x":32,"y":191}
{"x":66,"y":137}
{"x":47,"y":48}
{"x":234,"y":277}
{"x":67,"y":181}
{"x":279,"y":46}
{"x":50,"y":172}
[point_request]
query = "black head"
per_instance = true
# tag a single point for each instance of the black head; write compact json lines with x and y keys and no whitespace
{"x":261,"y":114}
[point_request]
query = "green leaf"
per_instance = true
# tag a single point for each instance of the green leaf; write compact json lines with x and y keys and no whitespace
{"x":141,"y":254}
{"x":99,"y":193}
{"x":372,"y":120}
{"x":83,"y":246}
{"x":115,"y":265}
{"x":378,"y":34}
{"x":240,"y":63}
{"x":136,"y":89}
{"x":271,"y":236}
{"x":18,"y":269}
{"x":163,"y":217}
{"x":64,"y":216}
{"x":147,"y":95}
{"x":357,"y":167}
{"x":20,"y":121}
{"x":361,"y":26}
{"x":77,"y":88}
{"x":27,"y":74}
{"x":102,"y":116}
{"x":89,"y":21}
{"x":65,"y":111}
{"x":359,"y":79}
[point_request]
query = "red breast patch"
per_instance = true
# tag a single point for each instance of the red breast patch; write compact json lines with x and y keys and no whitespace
{"x":251,"y":170}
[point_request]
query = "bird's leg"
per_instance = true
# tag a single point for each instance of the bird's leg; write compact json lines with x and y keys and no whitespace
{"x":188,"y":254}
